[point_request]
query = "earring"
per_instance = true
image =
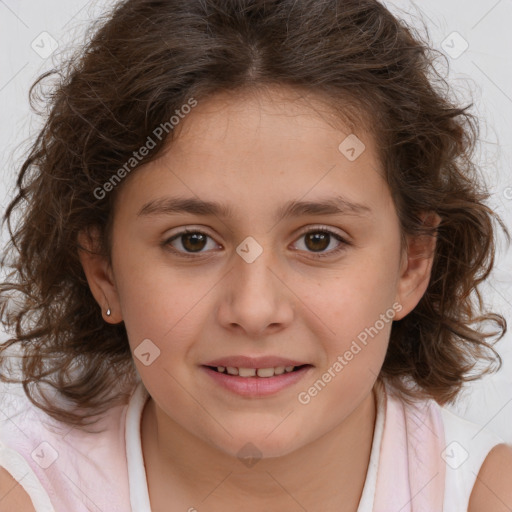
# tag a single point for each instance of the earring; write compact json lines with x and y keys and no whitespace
{"x":108,"y":312}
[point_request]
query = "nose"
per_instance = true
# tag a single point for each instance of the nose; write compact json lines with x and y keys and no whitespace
{"x":256,"y":299}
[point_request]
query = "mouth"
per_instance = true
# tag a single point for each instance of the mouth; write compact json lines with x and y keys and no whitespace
{"x":256,"y":382}
{"x":264,"y":373}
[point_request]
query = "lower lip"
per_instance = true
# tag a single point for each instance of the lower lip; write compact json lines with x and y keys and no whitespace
{"x":257,"y":386}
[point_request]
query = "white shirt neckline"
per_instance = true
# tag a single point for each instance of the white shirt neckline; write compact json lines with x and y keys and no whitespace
{"x":137,"y":479}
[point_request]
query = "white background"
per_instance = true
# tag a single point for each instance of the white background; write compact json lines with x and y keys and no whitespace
{"x":481,"y":74}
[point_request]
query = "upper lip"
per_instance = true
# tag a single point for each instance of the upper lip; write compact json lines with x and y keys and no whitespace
{"x":254,"y":362}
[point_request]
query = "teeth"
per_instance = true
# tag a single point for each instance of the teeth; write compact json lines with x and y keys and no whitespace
{"x":252,"y":372}
{"x":265,"y":372}
{"x":248,"y":372}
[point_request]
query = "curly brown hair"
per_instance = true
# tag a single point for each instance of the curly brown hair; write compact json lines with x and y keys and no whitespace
{"x":141,"y":63}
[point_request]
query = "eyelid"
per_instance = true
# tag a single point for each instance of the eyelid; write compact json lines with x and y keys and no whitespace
{"x":321,"y":227}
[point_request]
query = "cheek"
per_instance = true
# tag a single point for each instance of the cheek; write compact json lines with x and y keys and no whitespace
{"x":353,"y":356}
{"x":158,"y":304}
{"x":352,"y":313}
{"x":350,"y":299}
{"x":151,"y":292}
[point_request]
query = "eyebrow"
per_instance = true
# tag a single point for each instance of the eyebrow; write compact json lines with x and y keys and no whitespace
{"x":336,"y":205}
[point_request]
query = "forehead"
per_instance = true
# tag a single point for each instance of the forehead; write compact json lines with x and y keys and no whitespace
{"x":272,"y":146}
{"x":271,"y":114}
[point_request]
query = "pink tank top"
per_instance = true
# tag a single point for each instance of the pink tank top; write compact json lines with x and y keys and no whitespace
{"x":63,"y":468}
{"x":416,"y":464}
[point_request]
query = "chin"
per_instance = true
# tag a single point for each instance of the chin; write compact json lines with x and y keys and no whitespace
{"x":249,"y":447}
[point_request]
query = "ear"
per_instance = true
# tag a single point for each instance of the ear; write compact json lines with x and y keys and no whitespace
{"x":99,"y":275}
{"x":416,"y":267}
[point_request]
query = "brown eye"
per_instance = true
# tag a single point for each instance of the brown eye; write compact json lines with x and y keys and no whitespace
{"x":189,"y":242}
{"x":317,"y":241}
{"x":193,"y":241}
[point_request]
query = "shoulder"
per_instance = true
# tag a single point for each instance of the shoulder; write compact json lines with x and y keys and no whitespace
{"x":492,"y":491}
{"x":12,"y":494}
{"x":479,"y":466}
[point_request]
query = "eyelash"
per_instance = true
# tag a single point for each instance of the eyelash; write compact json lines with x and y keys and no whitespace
{"x":320,"y":229}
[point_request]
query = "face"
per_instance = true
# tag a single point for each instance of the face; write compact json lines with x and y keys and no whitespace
{"x":303,"y":286}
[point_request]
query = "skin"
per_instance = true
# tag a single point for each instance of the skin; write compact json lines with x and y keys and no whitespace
{"x":256,"y":152}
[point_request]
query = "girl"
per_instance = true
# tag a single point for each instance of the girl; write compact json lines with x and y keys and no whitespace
{"x":245,"y":269}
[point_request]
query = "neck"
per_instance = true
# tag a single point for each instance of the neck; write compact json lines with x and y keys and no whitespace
{"x":326,"y":474}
